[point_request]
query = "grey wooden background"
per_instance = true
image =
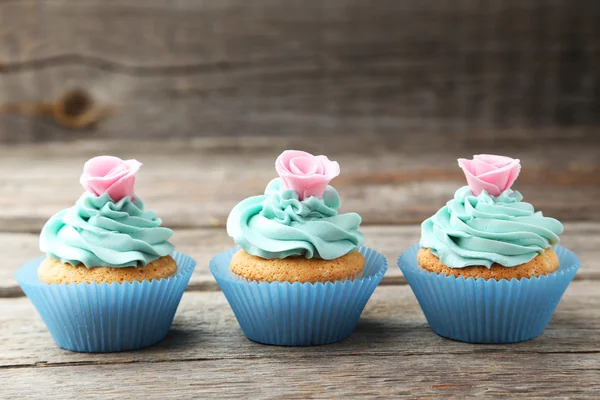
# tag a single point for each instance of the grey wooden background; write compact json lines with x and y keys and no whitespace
{"x":395,"y":90}
{"x":108,"y":69}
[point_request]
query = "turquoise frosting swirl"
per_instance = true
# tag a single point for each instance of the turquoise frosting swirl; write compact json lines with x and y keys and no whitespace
{"x":279,"y":225}
{"x":97,"y":231}
{"x":482,"y":230}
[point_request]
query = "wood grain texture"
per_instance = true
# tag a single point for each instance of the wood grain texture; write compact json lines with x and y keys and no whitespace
{"x":284,"y":67}
{"x":551,"y":376}
{"x":203,"y":244}
{"x":392,"y":352}
{"x":388,"y":180}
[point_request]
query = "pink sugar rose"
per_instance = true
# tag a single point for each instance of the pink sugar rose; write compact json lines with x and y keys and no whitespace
{"x":111,"y":175}
{"x":304,"y":173}
{"x":495,"y":174}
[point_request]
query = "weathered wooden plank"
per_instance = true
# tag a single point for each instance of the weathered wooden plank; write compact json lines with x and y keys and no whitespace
{"x":203,"y":244}
{"x":546,"y":376}
{"x":387,"y":180}
{"x":392,"y":325}
{"x":392,"y":352}
{"x":281,"y":67}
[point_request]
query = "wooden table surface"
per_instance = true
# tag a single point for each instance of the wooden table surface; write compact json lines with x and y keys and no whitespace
{"x":394,"y":185}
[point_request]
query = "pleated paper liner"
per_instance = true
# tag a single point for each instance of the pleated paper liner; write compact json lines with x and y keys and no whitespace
{"x":480,"y":311}
{"x":298,"y":314}
{"x":102,"y":317}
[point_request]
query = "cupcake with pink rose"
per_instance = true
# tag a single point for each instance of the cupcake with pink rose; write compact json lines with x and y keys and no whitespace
{"x":110,"y":280}
{"x":489,"y":268}
{"x":300,"y":274}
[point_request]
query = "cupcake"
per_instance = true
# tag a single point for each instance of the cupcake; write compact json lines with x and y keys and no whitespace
{"x":300,"y":275}
{"x":488,"y":268}
{"x":110,"y":280}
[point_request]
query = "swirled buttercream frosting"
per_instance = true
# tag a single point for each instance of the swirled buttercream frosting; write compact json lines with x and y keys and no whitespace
{"x":99,"y":231}
{"x":486,"y":229}
{"x":278,"y":225}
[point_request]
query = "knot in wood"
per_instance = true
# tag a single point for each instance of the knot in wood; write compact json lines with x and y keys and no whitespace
{"x":75,"y":103}
{"x":77,"y":109}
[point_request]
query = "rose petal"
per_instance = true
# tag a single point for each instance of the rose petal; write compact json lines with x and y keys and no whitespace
{"x":493,"y":173}
{"x":133,"y":165}
{"x":317,"y":189}
{"x":331,"y":169}
{"x":117,"y":172}
{"x":503,"y":177}
{"x":111,"y":175}
{"x":304,"y":173}
{"x":477,"y":185}
{"x":303,"y":166}
{"x":101,"y":165}
{"x":514,"y":173}
{"x":466,"y":165}
{"x":481,"y":167}
{"x":97,"y":185}
{"x":282,"y":164}
{"x":122,"y":188}
{"x":498,"y":161}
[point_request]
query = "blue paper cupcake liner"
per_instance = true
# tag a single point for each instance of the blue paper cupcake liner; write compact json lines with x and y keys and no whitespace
{"x":480,"y":311}
{"x":103,"y":317}
{"x":298,"y":314}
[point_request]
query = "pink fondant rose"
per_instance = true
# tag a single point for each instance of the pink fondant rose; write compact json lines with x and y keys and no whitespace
{"x":111,"y":175}
{"x":495,"y":174}
{"x":304,"y":173}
